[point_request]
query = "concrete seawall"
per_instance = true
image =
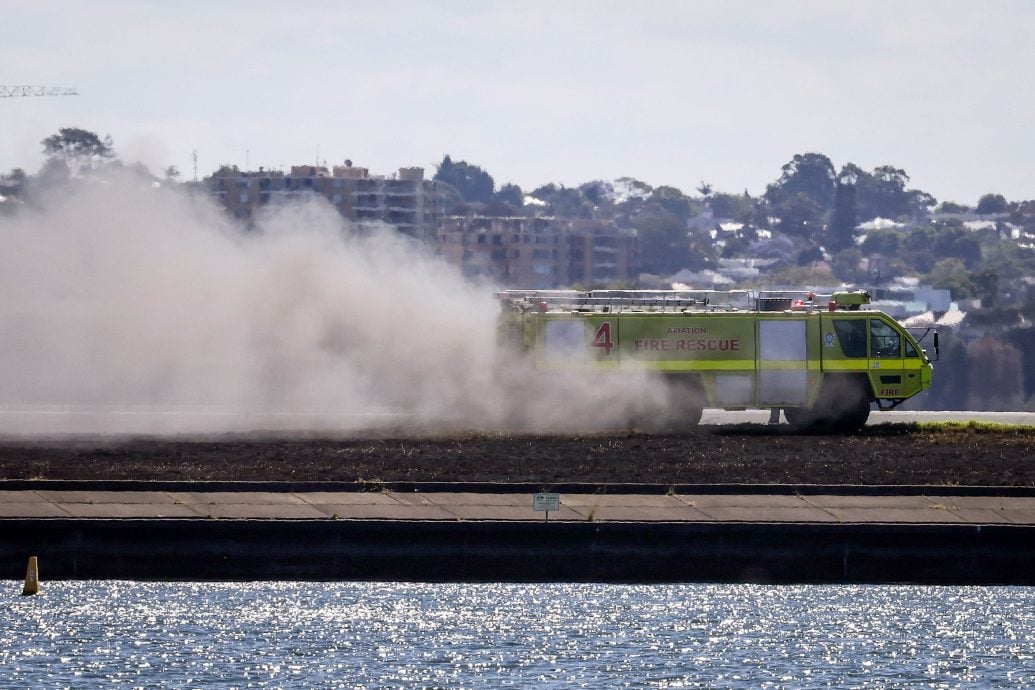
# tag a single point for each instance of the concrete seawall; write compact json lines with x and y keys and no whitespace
{"x":216,"y":549}
{"x":455,"y":532}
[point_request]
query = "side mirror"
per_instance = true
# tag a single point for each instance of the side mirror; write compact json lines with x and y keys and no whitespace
{"x":936,"y":355}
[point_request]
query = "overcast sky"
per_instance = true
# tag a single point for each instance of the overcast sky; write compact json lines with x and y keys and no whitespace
{"x":668,"y":92}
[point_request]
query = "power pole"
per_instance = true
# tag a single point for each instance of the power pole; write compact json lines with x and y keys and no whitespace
{"x":7,"y":91}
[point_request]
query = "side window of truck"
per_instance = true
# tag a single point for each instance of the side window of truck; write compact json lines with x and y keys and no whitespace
{"x":884,"y":340}
{"x":851,"y":333}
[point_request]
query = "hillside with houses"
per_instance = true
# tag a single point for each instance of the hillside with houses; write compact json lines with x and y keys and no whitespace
{"x":967,"y":269}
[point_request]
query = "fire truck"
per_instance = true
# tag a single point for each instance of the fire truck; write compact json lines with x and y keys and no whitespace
{"x":823,"y":360}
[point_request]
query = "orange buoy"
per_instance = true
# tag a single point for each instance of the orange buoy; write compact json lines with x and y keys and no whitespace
{"x":32,"y":578}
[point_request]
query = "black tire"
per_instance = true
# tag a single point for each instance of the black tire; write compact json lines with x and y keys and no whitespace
{"x":796,"y":416}
{"x":685,"y":403}
{"x":689,"y":403}
{"x":843,"y":405}
{"x":692,"y":415}
{"x":854,"y":410}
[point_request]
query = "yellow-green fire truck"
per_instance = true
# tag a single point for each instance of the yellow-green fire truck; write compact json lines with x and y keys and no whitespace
{"x":823,"y":360}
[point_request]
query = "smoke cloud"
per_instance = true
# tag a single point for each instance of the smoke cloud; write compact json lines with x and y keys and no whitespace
{"x":135,"y":309}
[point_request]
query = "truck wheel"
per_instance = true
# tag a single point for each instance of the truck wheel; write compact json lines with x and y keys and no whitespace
{"x":853,"y":410}
{"x":692,"y":415}
{"x":685,"y":405}
{"x":796,"y":416}
{"x":843,"y":405}
{"x":689,"y":404}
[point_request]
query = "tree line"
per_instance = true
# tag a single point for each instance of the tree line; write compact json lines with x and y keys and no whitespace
{"x":810,"y":223}
{"x":811,"y":219}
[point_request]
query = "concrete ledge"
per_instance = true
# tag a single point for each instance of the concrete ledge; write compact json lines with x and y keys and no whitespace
{"x":470,"y":506}
{"x":198,"y":549}
{"x":516,"y":487}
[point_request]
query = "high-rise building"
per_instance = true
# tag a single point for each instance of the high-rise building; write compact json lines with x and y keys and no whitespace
{"x":538,"y":252}
{"x":405,"y":200}
{"x":519,"y":251}
{"x":600,"y":253}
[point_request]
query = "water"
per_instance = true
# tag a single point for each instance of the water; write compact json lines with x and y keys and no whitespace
{"x":391,"y":635}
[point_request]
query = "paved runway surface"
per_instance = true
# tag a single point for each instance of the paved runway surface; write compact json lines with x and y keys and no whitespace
{"x":454,"y":506}
{"x":76,"y":420}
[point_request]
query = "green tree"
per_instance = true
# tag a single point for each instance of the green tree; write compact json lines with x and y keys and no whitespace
{"x":1012,"y":264}
{"x":598,"y":192}
{"x":923,"y":246}
{"x":779,"y":247}
{"x":952,"y":275}
{"x":702,"y":250}
{"x":78,"y":149}
{"x":723,"y":205}
{"x":841,"y":230}
{"x":883,"y":193}
{"x":473,"y":183}
{"x":674,"y":201}
{"x":955,"y":241}
{"x":511,"y":195}
{"x":808,"y":174}
{"x":986,"y":286}
{"x":952,"y":207}
{"x":992,"y":203}
{"x":801,"y":216}
{"x":449,"y":199}
{"x":564,"y":202}
{"x":803,"y":196}
{"x":881,"y":241}
{"x":847,"y":266}
{"x":916,"y":249}
{"x":738,"y":242}
{"x":886,"y":193}
{"x":664,"y":242}
{"x":742,"y":208}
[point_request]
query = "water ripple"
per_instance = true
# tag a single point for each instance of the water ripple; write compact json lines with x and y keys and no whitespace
{"x":400,"y":635}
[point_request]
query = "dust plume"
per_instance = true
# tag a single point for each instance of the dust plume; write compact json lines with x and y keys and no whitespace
{"x":139,"y":309}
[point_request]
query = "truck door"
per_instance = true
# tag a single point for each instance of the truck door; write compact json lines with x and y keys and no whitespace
{"x":782,"y":362}
{"x":886,"y":368}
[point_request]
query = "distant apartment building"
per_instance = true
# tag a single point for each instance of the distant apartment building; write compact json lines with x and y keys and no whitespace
{"x":601,"y":253}
{"x":405,"y":200}
{"x":529,"y":252}
{"x":537,"y":252}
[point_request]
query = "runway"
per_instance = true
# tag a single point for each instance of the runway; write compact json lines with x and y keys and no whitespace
{"x":149,"y":420}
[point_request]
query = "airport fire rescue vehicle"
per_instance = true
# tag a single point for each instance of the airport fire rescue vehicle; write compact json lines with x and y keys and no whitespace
{"x":823,"y":360}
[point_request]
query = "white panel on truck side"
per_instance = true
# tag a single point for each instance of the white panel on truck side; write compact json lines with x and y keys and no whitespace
{"x":782,"y":377}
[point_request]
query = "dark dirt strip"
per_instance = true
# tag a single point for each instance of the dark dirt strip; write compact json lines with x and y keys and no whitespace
{"x":748,"y":454}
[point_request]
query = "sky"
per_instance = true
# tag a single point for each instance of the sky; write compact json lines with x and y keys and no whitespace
{"x":669,"y":92}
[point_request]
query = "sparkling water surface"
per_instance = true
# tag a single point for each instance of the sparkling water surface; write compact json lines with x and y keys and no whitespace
{"x":405,"y":635}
